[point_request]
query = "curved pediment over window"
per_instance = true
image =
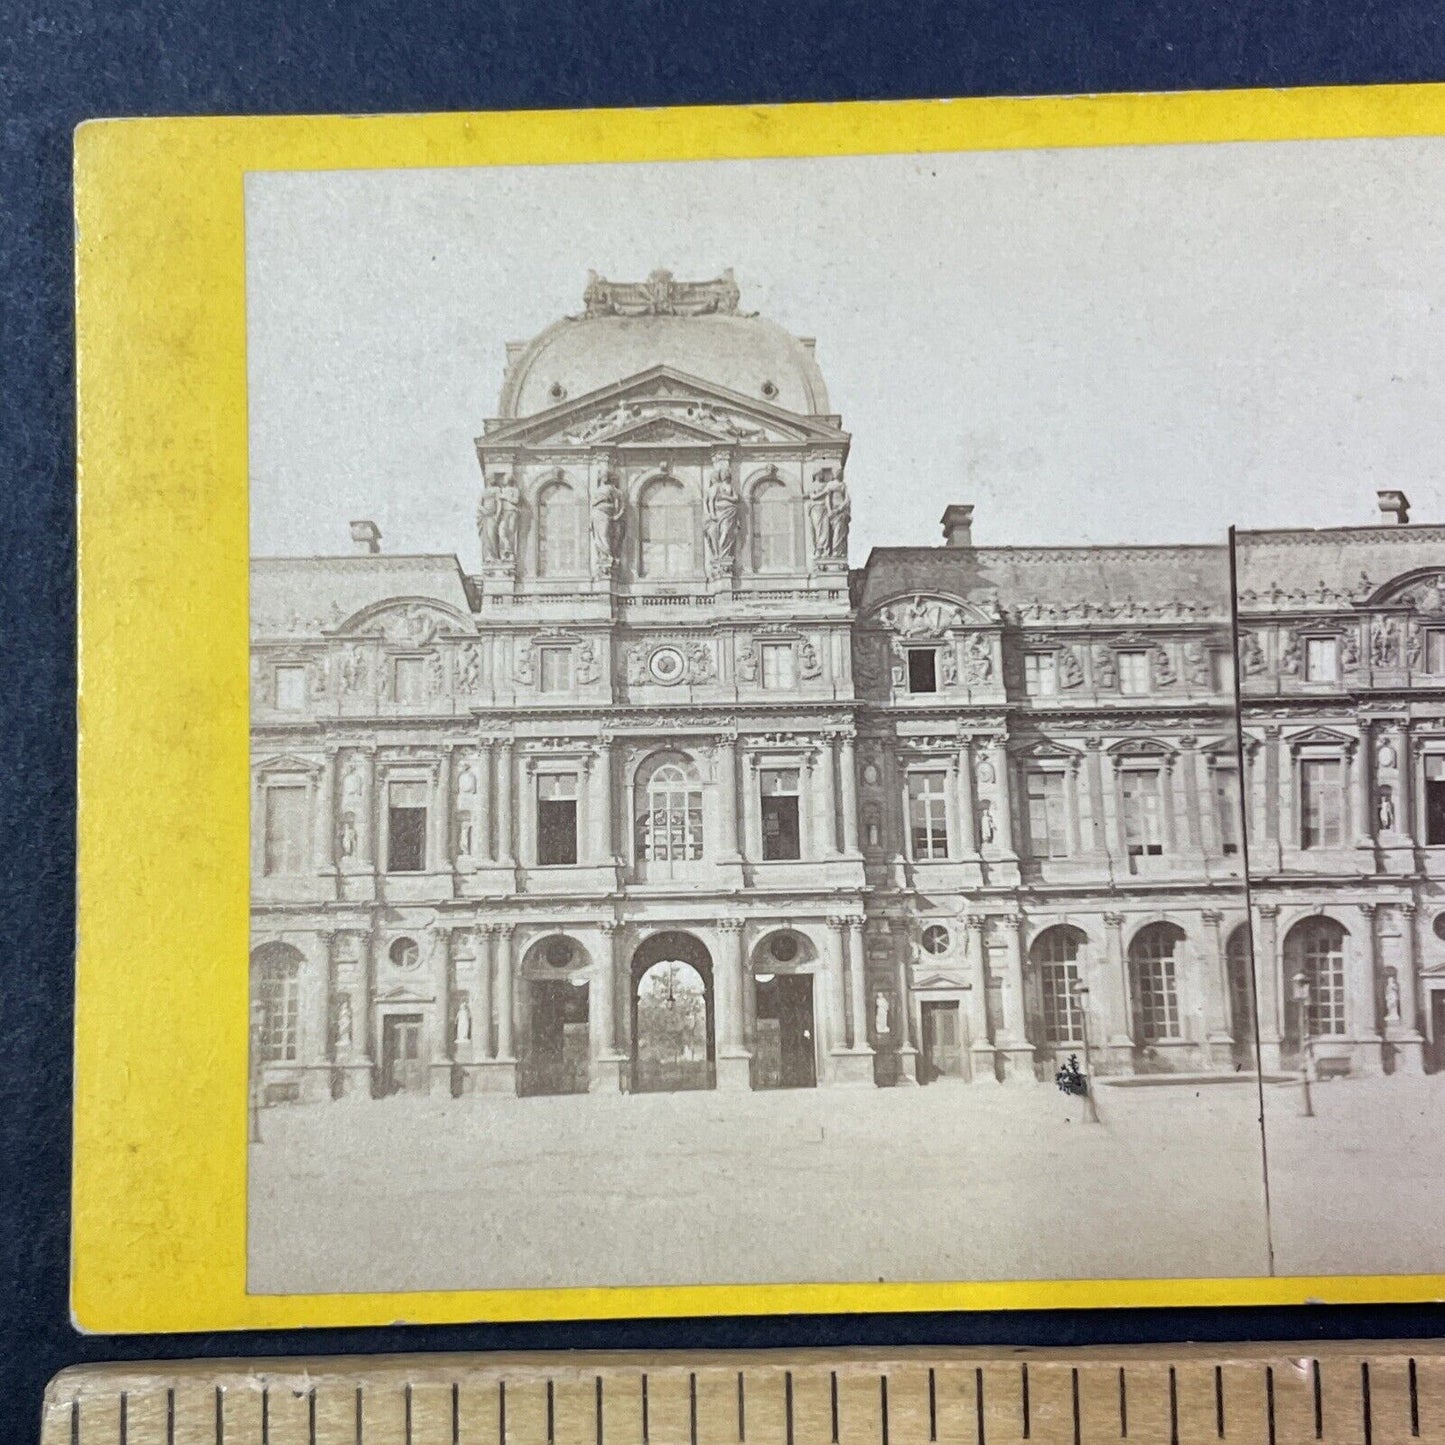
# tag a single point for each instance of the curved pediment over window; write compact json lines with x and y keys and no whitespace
{"x":408,"y":621}
{"x":1424,"y":590}
{"x":927,"y":614}
{"x":1141,"y":748}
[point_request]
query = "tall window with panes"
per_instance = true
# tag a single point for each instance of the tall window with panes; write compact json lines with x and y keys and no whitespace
{"x":278,"y":990}
{"x":1434,"y":779}
{"x":1133,"y":673}
{"x":1142,"y":795}
{"x":1041,"y":674}
{"x":1226,"y":808}
{"x":290,"y":680}
{"x":1056,"y":955}
{"x":556,"y":818}
{"x":928,"y":815}
{"x":554,"y":669}
{"x":1434,"y":651}
{"x":1048,"y":812}
{"x":406,"y":804}
{"x":1154,"y":984}
{"x":1322,"y":802}
{"x":782,"y":833}
{"x":1322,"y":659}
{"x":285,"y":828}
{"x":780,"y":667}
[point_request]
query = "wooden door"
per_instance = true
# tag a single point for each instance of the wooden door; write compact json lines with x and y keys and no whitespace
{"x":942,"y":1041}
{"x":402,"y":1068}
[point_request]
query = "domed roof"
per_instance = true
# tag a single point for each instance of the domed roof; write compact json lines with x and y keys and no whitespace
{"x":692,"y":326}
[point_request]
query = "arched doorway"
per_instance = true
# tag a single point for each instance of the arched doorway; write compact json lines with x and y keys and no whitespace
{"x":672,"y":1015}
{"x":556,"y":1056}
{"x":1315,"y":949}
{"x":785,"y":1042}
{"x":1056,"y":955}
{"x":1154,"y":989}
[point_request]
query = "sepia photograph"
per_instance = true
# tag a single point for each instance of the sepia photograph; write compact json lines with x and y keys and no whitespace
{"x":849,"y":719}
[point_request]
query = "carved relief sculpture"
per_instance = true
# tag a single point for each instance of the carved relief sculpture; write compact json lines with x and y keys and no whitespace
{"x":608,"y":516}
{"x":1071,"y":670}
{"x":636,"y":665}
{"x":809,"y":666}
{"x":1164,"y":673}
{"x":660,"y":295}
{"x":469,"y":668}
{"x":948,"y":666}
{"x":721,"y":505}
{"x":977,"y":659}
{"x":497,"y":518}
{"x":1289,"y":658}
{"x":700,"y":664}
{"x":830,"y":515}
{"x":587,"y":668}
{"x":1196,"y":662}
{"x":524,"y":664}
{"x":1350,"y":648}
{"x":1385,"y":643}
{"x":1251,"y":654}
{"x":747,"y":661}
{"x":354,"y":671}
{"x":1106,"y":674}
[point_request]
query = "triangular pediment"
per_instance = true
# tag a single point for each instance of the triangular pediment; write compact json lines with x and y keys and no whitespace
{"x":661,"y":407}
{"x":1045,"y":748}
{"x":1321,"y":737}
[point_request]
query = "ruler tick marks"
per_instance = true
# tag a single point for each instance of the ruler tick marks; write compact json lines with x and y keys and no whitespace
{"x":1414,"y":1401}
{"x":171,"y":1417}
{"x":360,"y":1424}
{"x":1123,"y":1405}
{"x":1219,"y":1401}
{"x":124,"y":1416}
{"x":1319,"y":1400}
{"x":882,"y":1406}
{"x":406,"y":1413}
{"x":310,"y":1418}
{"x":1365,"y":1397}
{"x":1269,"y":1399}
{"x":552,"y":1415}
{"x":1173,"y":1408}
{"x":1024,"y":1398}
{"x":932,"y":1405}
{"x":788,"y":1405}
{"x":456,"y":1412}
{"x":978,"y":1401}
{"x":833,"y":1400}
{"x":599,"y":1410}
{"x":692,"y":1409}
{"x":1074,"y":1392}
{"x":742,"y":1410}
{"x":265,"y":1415}
{"x":502,"y":1411}
{"x":221,"y":1416}
{"x":644,"y":1409}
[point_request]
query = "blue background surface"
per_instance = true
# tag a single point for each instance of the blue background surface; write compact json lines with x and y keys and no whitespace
{"x":63,"y":63}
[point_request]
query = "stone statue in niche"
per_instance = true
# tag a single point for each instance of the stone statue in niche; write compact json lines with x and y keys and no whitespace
{"x":899,"y":663}
{"x":344,"y":1026}
{"x":463,"y":1031}
{"x":986,"y":829}
{"x":880,"y":1013}
{"x":608,"y":515}
{"x":748,"y":661}
{"x":1350,"y":648}
{"x":977,"y":660}
{"x":1164,"y":673}
{"x":1414,"y":648}
{"x":948,"y":666}
{"x":1251,"y":654}
{"x":809,"y":666}
{"x":1385,"y":810}
{"x":1385,"y":645}
{"x":636,"y":666}
{"x":498,"y":514}
{"x":353,"y":671}
{"x":1196,"y":660}
{"x":721,"y":505}
{"x":1392,"y":997}
{"x":466,"y":811}
{"x":523,"y":665}
{"x":830,"y":515}
{"x":587,"y":670}
{"x":1106,"y":674}
{"x":1289,"y":658}
{"x":1071,"y":670}
{"x":348,"y":835}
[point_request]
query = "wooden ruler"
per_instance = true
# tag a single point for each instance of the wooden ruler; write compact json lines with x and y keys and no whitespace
{"x":1376,"y":1394}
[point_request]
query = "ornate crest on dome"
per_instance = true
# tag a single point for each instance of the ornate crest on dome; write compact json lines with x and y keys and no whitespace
{"x":660,"y":295}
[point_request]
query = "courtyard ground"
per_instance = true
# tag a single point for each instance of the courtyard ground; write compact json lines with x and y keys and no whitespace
{"x":941,"y":1183}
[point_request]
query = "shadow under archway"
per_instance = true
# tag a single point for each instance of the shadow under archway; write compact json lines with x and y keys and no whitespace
{"x":673,"y":1029}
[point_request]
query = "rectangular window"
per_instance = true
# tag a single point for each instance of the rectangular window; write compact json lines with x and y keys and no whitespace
{"x":780,"y":670}
{"x":1435,"y":651}
{"x":1322,"y":659}
{"x":1040,"y":674}
{"x":1226,"y":804}
{"x":928,"y":815}
{"x":406,"y":828}
{"x":922,"y":669}
{"x":1221,"y":670}
{"x":1435,"y":798}
{"x":1143,"y":812}
{"x":782,"y":837}
{"x":285,"y":829}
{"x":1133,"y":673}
{"x":407,"y":674}
{"x":290,"y":687}
{"x":1322,"y":802}
{"x":556,"y":818}
{"x":1048,"y":816}
{"x":555,"y":669}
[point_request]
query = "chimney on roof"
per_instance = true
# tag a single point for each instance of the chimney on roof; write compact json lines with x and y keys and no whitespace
{"x":1394,"y":507}
{"x":366,"y":536}
{"x":958,"y":525}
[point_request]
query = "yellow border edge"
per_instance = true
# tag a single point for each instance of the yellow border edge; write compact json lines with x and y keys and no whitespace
{"x":158,"y":1239}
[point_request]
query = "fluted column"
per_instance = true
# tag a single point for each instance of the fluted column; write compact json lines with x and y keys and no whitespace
{"x":366,"y":824}
{"x":1189,"y":763}
{"x":1071,"y":806}
{"x":1267,"y":973}
{"x":506,"y":1042}
{"x":1362,"y":975}
{"x":1014,"y":1051}
{"x":1403,"y":1030}
{"x":601,"y":803}
{"x":976,"y":973}
{"x":1364,"y":766}
{"x":857,"y":985}
{"x":727,"y":787}
{"x":1217,"y":1023}
{"x":733,"y":1064}
{"x":484,"y":847}
{"x":323,"y":830}
{"x":848,"y":770}
{"x":1003,"y":795}
{"x":828,"y":798}
{"x":506,"y":802}
{"x":605,"y":1076}
{"x":440,"y":860}
{"x":967,"y":809}
{"x":907,"y":1054}
{"x":484,"y":1048}
{"x":752,"y":814}
{"x":1116,"y":980}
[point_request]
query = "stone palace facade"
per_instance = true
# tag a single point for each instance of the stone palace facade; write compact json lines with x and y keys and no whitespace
{"x":665,"y":795}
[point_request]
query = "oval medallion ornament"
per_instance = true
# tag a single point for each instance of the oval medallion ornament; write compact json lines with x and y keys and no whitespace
{"x":666,"y":665}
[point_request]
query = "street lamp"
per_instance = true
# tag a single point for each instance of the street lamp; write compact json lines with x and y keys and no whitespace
{"x":1080,"y":991}
{"x":1300,"y":993}
{"x":258,"y":1016}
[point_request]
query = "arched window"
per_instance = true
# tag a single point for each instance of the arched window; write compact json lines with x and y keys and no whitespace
{"x":1316,"y":948}
{"x":773,"y":530}
{"x":1152,"y":974}
{"x":559,"y":532}
{"x":1239,"y":965}
{"x":1055,"y":954}
{"x":666,"y":528}
{"x":276,"y":977}
{"x":669,"y":817}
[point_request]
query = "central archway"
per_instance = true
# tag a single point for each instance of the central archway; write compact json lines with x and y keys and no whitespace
{"x":672,"y":1015}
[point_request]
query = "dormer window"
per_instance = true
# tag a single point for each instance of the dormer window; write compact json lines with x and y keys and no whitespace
{"x":666,"y":526}
{"x":922,"y":669}
{"x":290,"y":687}
{"x":1322,"y":659}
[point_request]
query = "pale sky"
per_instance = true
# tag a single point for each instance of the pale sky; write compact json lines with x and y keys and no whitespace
{"x":1124,"y":345}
